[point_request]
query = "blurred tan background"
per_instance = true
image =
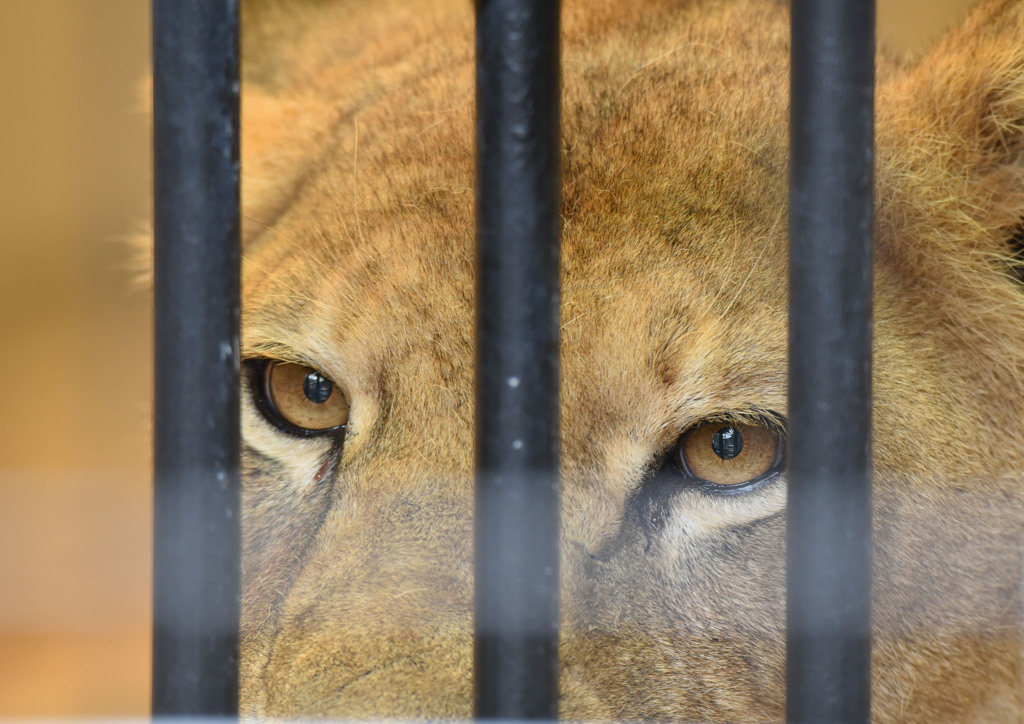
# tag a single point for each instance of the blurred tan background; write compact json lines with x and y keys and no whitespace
{"x":76,"y":361}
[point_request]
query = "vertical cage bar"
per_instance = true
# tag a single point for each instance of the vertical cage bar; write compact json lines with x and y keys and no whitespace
{"x":196,"y":307}
{"x":828,"y":662}
{"x":517,"y":456}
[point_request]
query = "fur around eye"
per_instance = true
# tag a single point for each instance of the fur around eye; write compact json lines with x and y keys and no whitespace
{"x":730,"y":456}
{"x":298,"y":399}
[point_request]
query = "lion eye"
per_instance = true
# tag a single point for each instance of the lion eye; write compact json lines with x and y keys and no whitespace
{"x":300,"y":399}
{"x":730,"y":454}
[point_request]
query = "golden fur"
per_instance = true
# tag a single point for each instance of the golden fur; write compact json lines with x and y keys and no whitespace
{"x":358,"y":194}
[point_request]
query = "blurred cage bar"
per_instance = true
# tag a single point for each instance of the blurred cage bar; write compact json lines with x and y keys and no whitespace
{"x":196,"y":588}
{"x":196,"y":567}
{"x":517,"y":455}
{"x":831,"y":220}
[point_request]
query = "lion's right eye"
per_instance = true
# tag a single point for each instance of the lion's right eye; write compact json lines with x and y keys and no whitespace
{"x":727,"y":457}
{"x":298,"y":399}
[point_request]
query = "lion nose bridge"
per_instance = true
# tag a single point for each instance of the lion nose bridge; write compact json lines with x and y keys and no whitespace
{"x":380,"y":623}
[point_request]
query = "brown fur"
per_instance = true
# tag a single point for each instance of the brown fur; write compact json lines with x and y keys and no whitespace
{"x":358,"y":188}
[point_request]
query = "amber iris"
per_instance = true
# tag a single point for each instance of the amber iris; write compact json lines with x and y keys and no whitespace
{"x":304,"y":397}
{"x":729,"y":454}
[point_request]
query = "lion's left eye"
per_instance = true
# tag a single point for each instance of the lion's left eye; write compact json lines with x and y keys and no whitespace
{"x":297,"y":399}
{"x":730,"y":456}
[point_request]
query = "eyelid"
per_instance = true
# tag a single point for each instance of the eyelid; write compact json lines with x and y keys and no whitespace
{"x":277,"y":354}
{"x":749,"y":416}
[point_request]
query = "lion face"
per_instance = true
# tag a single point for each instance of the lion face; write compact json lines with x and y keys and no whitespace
{"x":358,"y":323}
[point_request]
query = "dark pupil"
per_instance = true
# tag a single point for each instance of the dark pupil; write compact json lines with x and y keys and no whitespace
{"x":727,"y":443}
{"x":317,"y":387}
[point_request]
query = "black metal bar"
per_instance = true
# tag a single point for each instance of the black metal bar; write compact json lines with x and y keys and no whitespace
{"x":196,"y":286}
{"x":828,"y":662}
{"x":517,"y":478}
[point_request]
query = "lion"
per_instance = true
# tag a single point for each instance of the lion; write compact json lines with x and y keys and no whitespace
{"x":358,"y":283}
